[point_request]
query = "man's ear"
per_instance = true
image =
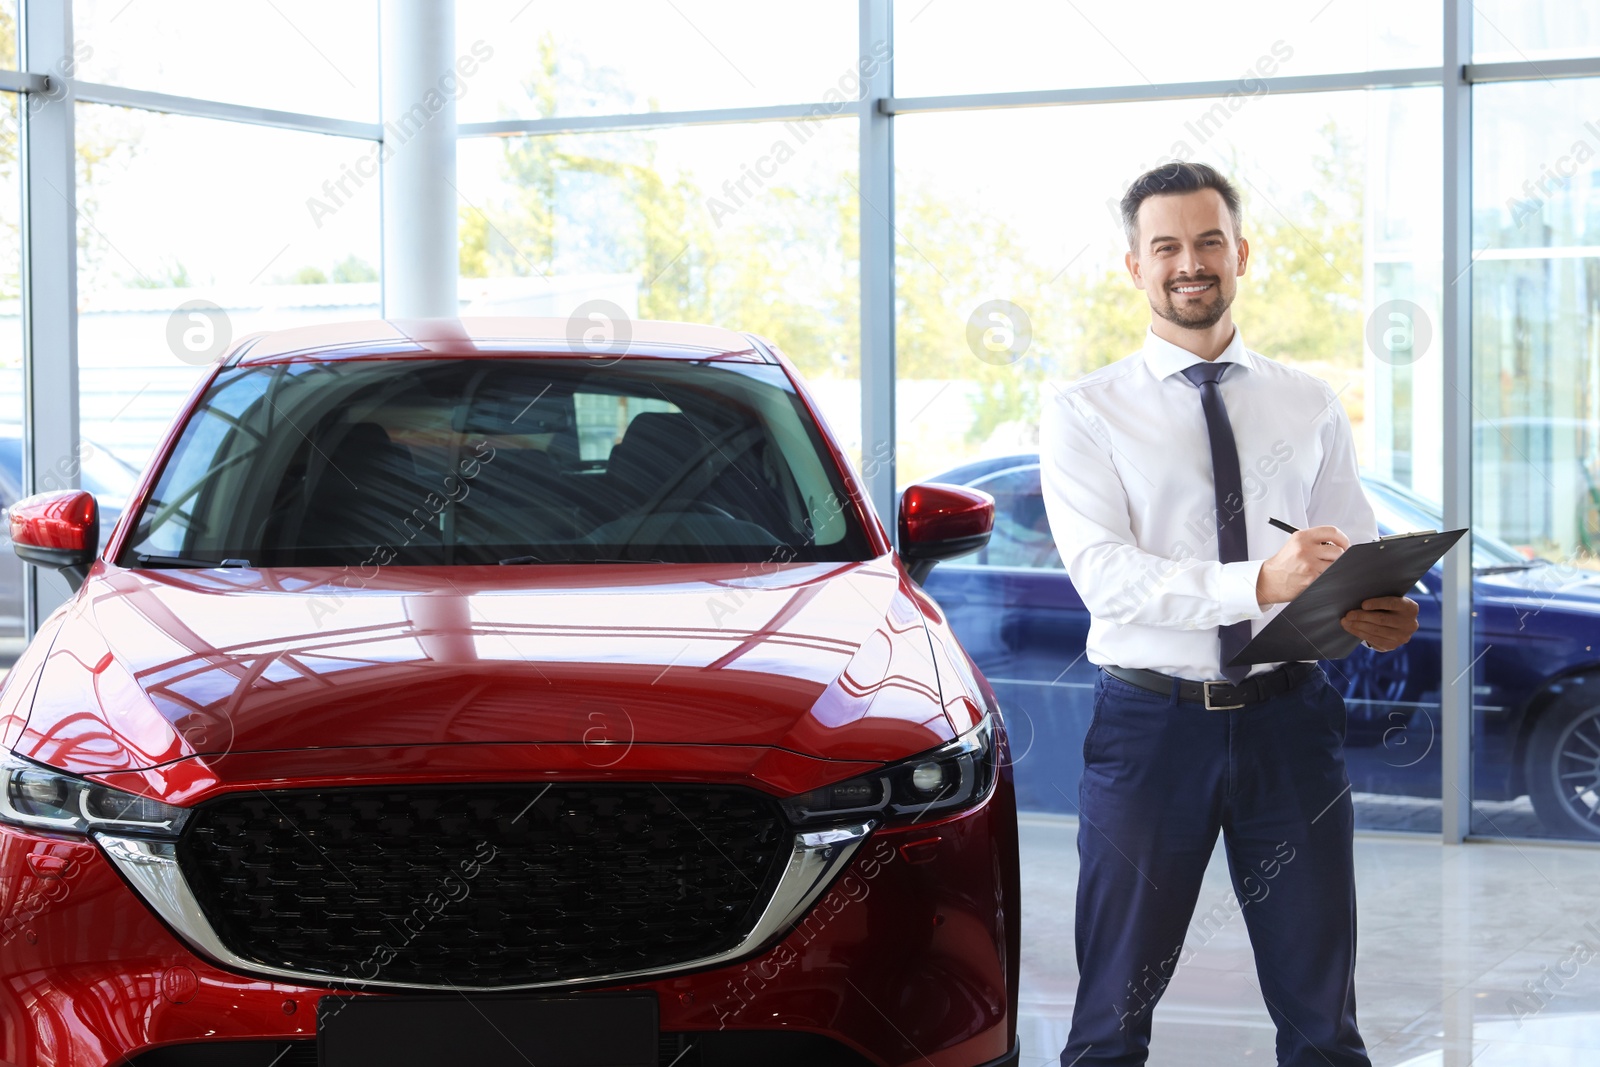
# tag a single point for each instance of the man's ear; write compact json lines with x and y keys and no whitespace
{"x":1132,"y":262}
{"x":1244,"y":255}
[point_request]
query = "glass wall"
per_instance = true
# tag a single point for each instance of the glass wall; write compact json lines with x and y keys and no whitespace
{"x":669,"y":225}
{"x":750,"y":225}
{"x":195,"y":230}
{"x":941,"y":48}
{"x":1506,"y":31}
{"x":1536,"y":456}
{"x":304,"y":56}
{"x":193,"y":233}
{"x":610,"y":57}
{"x":12,"y":426}
{"x":1009,"y":279}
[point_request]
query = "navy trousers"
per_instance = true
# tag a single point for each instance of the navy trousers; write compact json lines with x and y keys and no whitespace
{"x":1161,"y":777}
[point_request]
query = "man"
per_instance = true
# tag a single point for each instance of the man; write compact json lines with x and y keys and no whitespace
{"x":1160,"y":474}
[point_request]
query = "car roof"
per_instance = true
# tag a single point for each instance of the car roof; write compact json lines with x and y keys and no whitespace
{"x":470,"y":337}
{"x":968,"y":473}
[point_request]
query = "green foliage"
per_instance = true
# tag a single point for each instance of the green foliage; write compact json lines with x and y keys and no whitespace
{"x":598,"y":202}
{"x":758,"y":271}
{"x":948,"y":263}
{"x":353,"y":268}
{"x":304,"y":276}
{"x":1109,"y":319}
{"x":173,"y":276}
{"x":1300,"y":298}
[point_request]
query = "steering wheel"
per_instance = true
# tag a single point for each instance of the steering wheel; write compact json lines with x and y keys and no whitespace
{"x":694,"y":506}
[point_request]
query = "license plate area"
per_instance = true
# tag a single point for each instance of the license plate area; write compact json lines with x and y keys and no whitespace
{"x":489,"y":1030}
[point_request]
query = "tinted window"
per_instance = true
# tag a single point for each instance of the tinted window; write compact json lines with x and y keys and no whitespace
{"x":1021,"y":536}
{"x":107,"y":477}
{"x":10,"y":470}
{"x":361,"y":462}
{"x":99,"y":472}
{"x":1399,"y":512}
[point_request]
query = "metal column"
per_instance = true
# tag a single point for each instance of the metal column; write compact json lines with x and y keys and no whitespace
{"x":49,"y":277}
{"x":1455,"y":336}
{"x":877,"y":263}
{"x":420,"y":252}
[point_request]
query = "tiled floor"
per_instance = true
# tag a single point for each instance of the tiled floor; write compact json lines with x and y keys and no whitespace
{"x":1448,"y":937}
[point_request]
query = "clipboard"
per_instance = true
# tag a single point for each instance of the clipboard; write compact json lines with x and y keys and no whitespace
{"x":1308,"y":627}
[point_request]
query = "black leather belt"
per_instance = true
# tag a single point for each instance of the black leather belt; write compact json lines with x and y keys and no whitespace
{"x":1219,"y":696}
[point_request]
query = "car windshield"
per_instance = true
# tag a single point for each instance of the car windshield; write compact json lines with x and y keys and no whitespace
{"x":1402,"y":512}
{"x":497,"y":460}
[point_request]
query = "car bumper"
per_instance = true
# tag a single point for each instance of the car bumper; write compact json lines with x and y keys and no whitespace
{"x":909,"y":957}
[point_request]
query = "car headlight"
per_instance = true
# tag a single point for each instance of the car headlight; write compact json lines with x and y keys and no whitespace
{"x":40,"y":798}
{"x":954,"y":776}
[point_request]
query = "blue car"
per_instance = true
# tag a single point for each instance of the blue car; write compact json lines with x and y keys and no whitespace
{"x":1535,"y":676}
{"x":103,"y":474}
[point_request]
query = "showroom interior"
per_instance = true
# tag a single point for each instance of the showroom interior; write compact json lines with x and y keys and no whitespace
{"x":916,"y":201}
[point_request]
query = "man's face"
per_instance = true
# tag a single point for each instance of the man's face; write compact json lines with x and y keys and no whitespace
{"x":1186,"y":258}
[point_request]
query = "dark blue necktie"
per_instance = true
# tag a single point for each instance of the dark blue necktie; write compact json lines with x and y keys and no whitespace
{"x":1231,"y":543}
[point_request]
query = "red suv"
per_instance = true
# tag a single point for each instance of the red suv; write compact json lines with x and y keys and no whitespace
{"x":464,"y":692}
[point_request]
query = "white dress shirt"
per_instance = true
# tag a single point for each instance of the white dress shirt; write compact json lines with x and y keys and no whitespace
{"x":1125,"y":465}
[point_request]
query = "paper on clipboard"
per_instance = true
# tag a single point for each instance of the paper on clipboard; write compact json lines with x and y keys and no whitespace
{"x":1308,"y":627}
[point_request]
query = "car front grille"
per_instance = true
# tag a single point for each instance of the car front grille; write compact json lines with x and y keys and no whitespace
{"x":484,"y":886}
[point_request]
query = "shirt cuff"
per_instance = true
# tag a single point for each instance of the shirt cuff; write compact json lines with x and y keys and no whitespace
{"x":1239,"y":601}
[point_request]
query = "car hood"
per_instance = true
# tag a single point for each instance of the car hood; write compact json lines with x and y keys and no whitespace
{"x":326,"y":672}
{"x":1550,"y":586}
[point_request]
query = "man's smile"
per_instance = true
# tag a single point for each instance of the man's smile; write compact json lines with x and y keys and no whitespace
{"x":1192,"y":288}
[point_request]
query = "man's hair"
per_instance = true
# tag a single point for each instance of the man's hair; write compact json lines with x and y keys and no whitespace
{"x":1175,"y":177}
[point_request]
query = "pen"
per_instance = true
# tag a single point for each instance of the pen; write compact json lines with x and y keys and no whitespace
{"x":1286,"y":528}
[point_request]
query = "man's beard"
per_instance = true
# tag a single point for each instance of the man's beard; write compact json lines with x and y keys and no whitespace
{"x":1197,"y":316}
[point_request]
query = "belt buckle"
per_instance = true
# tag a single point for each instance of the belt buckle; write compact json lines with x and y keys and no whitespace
{"x":1206,"y":688}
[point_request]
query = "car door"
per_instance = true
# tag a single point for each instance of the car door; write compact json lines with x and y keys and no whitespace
{"x":1016,"y":612}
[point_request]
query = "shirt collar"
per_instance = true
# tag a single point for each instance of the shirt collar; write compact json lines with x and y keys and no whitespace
{"x":1166,"y":359}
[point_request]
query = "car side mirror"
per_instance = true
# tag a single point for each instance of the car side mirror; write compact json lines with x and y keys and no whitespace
{"x":939,"y":522}
{"x":60,"y":530}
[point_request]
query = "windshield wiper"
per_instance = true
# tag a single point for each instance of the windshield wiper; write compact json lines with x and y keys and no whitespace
{"x":1506,"y":568}
{"x":183,"y":561}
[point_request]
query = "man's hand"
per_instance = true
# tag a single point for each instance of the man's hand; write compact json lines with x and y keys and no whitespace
{"x":1297,"y":564}
{"x":1385,"y":623}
